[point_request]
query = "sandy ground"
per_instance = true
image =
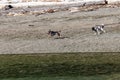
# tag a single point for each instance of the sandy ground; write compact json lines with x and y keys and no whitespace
{"x":28,"y":34}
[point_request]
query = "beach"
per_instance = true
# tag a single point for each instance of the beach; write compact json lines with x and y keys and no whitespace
{"x":28,"y":33}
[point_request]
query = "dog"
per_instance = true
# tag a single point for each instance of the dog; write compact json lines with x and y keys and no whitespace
{"x":99,"y":29}
{"x":53,"y":33}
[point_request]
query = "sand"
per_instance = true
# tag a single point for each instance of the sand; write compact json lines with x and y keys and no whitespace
{"x":28,"y":33}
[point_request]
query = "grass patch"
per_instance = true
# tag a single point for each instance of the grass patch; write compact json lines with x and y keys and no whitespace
{"x":94,"y":77}
{"x":64,"y":64}
{"x":61,"y":78}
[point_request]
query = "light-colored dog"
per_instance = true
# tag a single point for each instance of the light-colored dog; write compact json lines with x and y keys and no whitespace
{"x":99,"y":29}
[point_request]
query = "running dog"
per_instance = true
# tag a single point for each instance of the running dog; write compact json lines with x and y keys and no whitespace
{"x":99,"y":29}
{"x":53,"y":33}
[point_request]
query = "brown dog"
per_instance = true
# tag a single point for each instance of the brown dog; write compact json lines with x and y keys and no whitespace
{"x":53,"y":33}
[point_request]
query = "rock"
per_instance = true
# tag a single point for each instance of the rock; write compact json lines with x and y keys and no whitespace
{"x":11,"y":14}
{"x":89,"y":9}
{"x":50,"y":11}
{"x":1,"y":6}
{"x":7,"y":7}
{"x":37,"y":13}
{"x":18,"y":14}
{"x":74,"y":9}
{"x":14,"y":14}
{"x":111,"y":6}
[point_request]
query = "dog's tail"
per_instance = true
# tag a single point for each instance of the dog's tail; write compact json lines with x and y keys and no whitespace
{"x":58,"y":34}
{"x":93,"y":29}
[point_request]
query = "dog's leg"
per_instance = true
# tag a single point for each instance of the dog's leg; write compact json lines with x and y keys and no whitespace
{"x":98,"y":32}
{"x":102,"y":30}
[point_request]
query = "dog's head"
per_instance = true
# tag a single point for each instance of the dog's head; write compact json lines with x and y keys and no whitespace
{"x":49,"y":32}
{"x":102,"y":25}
